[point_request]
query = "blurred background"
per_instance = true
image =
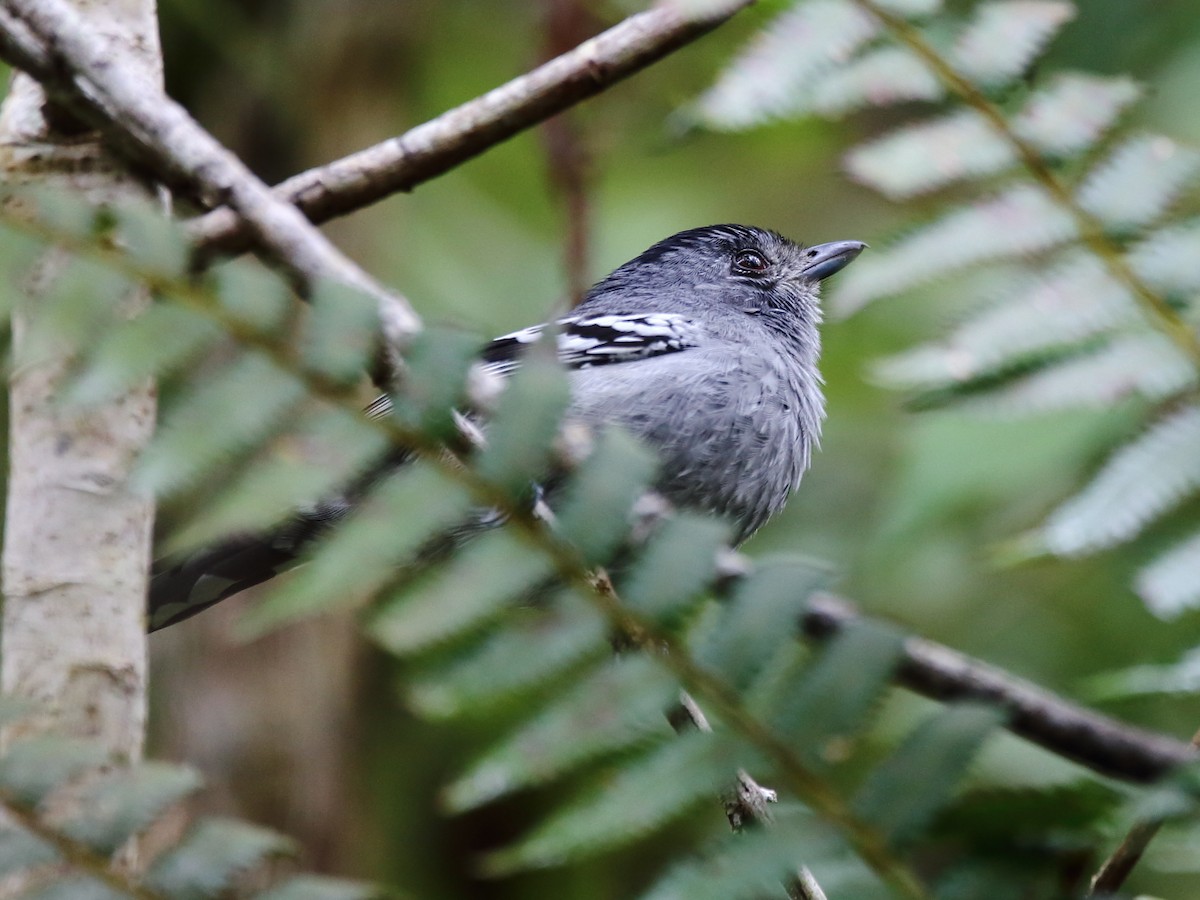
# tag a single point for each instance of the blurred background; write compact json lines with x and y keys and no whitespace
{"x":306,"y":730}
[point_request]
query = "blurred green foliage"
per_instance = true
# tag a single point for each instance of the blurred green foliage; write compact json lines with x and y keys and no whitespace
{"x":913,"y":509}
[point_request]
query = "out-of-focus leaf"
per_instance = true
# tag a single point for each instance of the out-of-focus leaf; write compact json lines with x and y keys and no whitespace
{"x":638,"y":799}
{"x":879,"y":77}
{"x":1005,"y":37}
{"x":493,"y":570}
{"x":436,"y":366}
{"x":1166,"y":258}
{"x":74,"y":888}
{"x":899,"y":798}
{"x":769,"y":78}
{"x":749,"y":865}
{"x":1140,"y":482}
{"x":619,"y":705}
{"x":362,"y":553}
{"x":596,"y":508}
{"x":837,"y":693}
{"x":153,"y":241}
{"x":1146,"y":364}
{"x":214,"y":852}
{"x":1181,"y":677}
{"x":322,"y":452}
{"x":679,"y":563}
{"x":232,"y":409}
{"x":1170,"y":585}
{"x":31,"y":769}
{"x":123,"y":803}
{"x":159,"y":341}
{"x":538,"y":647}
{"x":1020,"y":221}
{"x":317,"y":887}
{"x":520,"y":436}
{"x":252,"y":296}
{"x":341,"y":331}
{"x":1065,"y":117}
{"x":1138,"y":181}
{"x":767,"y":605}
{"x":1075,"y":301}
{"x":21,"y":850}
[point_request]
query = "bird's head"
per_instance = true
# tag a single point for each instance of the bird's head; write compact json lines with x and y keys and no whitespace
{"x":745,"y":269}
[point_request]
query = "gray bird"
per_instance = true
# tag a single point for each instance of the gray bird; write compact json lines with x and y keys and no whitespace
{"x":705,"y":347}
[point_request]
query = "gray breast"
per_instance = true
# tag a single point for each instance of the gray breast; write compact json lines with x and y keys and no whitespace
{"x":734,"y":429}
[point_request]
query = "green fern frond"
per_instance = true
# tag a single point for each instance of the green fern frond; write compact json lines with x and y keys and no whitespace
{"x":1140,"y":482}
{"x":1065,"y":117}
{"x":1170,"y":585}
{"x":1139,"y":181}
{"x":1005,"y":36}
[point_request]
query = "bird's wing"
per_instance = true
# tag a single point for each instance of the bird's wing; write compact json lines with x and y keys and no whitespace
{"x":598,"y":340}
{"x":585,"y":341}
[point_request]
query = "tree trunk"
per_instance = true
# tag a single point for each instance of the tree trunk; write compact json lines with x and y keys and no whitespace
{"x":77,"y":540}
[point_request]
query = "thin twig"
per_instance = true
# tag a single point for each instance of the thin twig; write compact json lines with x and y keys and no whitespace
{"x":1091,"y":229}
{"x":1112,"y":874}
{"x":1102,"y":744}
{"x":401,"y":163}
{"x":47,"y":39}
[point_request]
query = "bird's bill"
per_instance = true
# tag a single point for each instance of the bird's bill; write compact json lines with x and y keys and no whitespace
{"x":823,"y":260}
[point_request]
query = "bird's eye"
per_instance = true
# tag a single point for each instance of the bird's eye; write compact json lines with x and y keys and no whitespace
{"x":749,"y":262}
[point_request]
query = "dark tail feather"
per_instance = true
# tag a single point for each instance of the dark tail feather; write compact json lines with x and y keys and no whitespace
{"x":209,"y":576}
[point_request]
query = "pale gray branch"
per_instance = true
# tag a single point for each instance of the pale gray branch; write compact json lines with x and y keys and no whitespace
{"x":48,"y":40}
{"x":401,"y":163}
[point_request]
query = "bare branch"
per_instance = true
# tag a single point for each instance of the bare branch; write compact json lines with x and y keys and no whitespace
{"x":1101,"y":744}
{"x":47,"y":39}
{"x":401,"y":163}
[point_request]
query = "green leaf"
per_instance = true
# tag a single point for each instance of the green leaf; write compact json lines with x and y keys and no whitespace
{"x":1076,"y":301}
{"x":780,"y":65}
{"x":900,"y":796}
{"x":749,"y":865}
{"x":620,"y":704}
{"x":540,"y":646}
{"x":21,"y":850}
{"x":341,"y":332}
{"x":211,"y":855}
{"x":1139,"y":181}
{"x":880,"y":77}
{"x":361,"y":555}
{"x":520,"y":436}
{"x":1006,"y":36}
{"x":1064,"y":118}
{"x":230,"y":410}
{"x":436,"y":366}
{"x":1074,"y":111}
{"x":254,"y":297}
{"x":637,"y":800}
{"x":838,"y":692}
{"x":1180,"y":677}
{"x":161,"y":340}
{"x":1169,"y":584}
{"x":677,"y":566}
{"x":494,"y":570}
{"x":74,"y":888}
{"x":32,"y":768}
{"x":123,"y":803}
{"x":596,"y":507}
{"x":150,"y":238}
{"x":317,"y":887}
{"x":1140,"y":482}
{"x":75,"y":306}
{"x":1149,"y":364}
{"x":1021,"y":221}
{"x":1165,"y":258}
{"x":764,"y":611}
{"x":322,"y":452}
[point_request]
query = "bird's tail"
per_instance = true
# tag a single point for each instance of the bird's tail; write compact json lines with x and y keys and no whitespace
{"x":193,"y":584}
